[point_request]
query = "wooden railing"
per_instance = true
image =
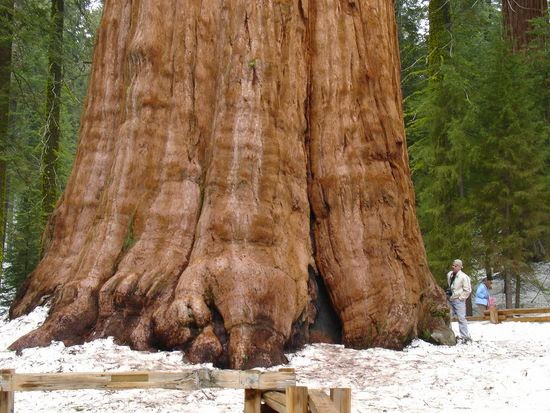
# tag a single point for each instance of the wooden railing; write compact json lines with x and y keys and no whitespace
{"x":263,"y":390}
{"x":512,"y":314}
{"x":301,"y":400}
{"x":518,"y":314}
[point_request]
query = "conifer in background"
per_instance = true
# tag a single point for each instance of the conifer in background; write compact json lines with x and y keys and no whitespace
{"x":437,"y":154}
{"x":52,"y":133}
{"x":6,"y":39}
{"x":518,"y":19}
{"x":509,"y":191}
{"x":518,"y":29}
{"x":483,"y":134}
{"x":23,"y":249}
{"x":412,"y":44}
{"x":31,"y":26}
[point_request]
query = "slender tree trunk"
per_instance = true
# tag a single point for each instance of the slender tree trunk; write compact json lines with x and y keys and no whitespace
{"x":487,"y":265}
{"x":518,"y":291}
{"x":439,"y":43}
{"x":439,"y":36}
{"x":508,"y":288}
{"x":228,"y":156}
{"x":6,"y":36}
{"x":52,"y":131}
{"x":517,"y":14}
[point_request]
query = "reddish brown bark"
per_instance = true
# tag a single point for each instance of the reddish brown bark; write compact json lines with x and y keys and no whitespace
{"x":229,"y":155}
{"x":517,"y":15}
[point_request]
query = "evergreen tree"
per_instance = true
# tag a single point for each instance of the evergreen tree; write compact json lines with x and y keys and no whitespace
{"x":31,"y":23}
{"x":411,"y":16}
{"x":52,"y":132}
{"x":518,"y":16}
{"x":480,"y":160}
{"x":437,"y":155}
{"x":6,"y":40}
{"x":24,"y":234}
{"x":510,"y":191}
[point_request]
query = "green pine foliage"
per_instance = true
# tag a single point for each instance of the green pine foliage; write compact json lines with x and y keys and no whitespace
{"x":27,"y":120}
{"x":439,"y":155}
{"x":510,"y":134}
{"x":24,"y":231}
{"x":480,"y":149}
{"x":413,"y":52}
{"x":412,"y":43}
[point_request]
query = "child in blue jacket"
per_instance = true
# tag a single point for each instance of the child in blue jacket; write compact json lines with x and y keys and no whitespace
{"x":482,"y":295}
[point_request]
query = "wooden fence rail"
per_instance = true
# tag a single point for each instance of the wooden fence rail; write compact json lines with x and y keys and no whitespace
{"x":304,"y":400}
{"x":512,"y":314}
{"x":181,"y":380}
{"x":518,"y":315}
{"x":263,"y":391}
{"x":517,"y":311}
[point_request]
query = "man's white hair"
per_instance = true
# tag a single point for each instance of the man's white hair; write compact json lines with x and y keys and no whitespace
{"x":458,"y":262}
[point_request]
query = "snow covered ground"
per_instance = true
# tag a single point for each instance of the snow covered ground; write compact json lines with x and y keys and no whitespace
{"x":506,"y":369}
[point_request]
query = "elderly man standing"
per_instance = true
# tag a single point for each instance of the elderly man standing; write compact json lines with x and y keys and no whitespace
{"x":459,"y":290}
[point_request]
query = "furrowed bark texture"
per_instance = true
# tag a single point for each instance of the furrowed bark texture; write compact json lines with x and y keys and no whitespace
{"x":229,"y":152}
{"x":517,"y":15}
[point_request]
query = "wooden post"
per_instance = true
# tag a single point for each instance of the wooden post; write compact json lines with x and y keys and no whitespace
{"x":493,"y":315}
{"x":275,"y":401}
{"x":6,"y":393}
{"x":319,"y":402}
{"x":296,"y":399}
{"x":341,"y":397}
{"x":252,"y":400}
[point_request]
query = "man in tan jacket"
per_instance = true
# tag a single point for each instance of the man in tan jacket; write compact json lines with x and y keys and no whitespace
{"x":459,"y":290}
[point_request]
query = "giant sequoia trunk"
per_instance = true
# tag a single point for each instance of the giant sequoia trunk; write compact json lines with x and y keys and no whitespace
{"x":230,"y":154}
{"x":517,"y":15}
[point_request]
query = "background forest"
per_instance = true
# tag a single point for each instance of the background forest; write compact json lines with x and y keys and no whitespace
{"x":476,"y":90}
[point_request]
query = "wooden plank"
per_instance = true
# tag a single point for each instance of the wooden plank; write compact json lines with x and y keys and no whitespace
{"x":296,"y":399}
{"x":319,"y":402}
{"x":130,"y":378}
{"x":511,"y":311}
{"x":525,"y":311}
{"x":541,"y":319}
{"x":279,"y":380}
{"x":7,"y":399}
{"x":6,"y":402}
{"x":251,"y":379}
{"x":252,"y":401}
{"x":187,"y":380}
{"x":341,"y":397}
{"x":493,"y":315}
{"x":276,"y":400}
{"x":182,"y":380}
{"x":6,"y":376}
